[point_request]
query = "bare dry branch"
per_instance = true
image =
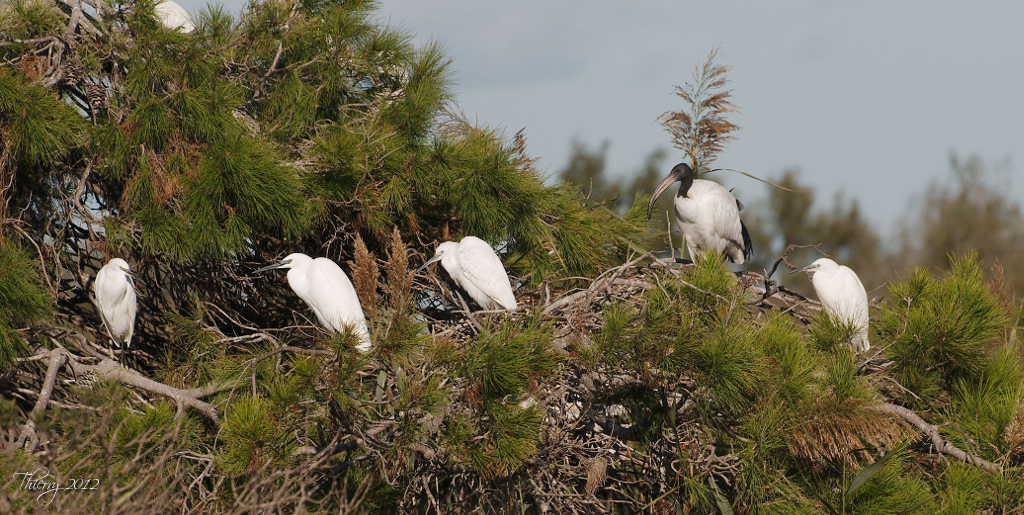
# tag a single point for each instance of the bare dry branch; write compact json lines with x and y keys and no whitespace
{"x":941,"y":444}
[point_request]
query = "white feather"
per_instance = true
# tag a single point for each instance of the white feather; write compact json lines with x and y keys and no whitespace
{"x":115,"y":299}
{"x":173,"y":16}
{"x":709,"y":218}
{"x":475,"y":267}
{"x":842,"y":294}
{"x":329,"y":293}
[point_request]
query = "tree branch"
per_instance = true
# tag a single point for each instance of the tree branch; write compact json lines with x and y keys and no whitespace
{"x":110,"y":369}
{"x":941,"y":444}
{"x":28,"y":430}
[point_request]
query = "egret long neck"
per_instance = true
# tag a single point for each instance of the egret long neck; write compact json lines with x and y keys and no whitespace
{"x":451,"y":264}
{"x":117,"y":286}
{"x":299,"y":283}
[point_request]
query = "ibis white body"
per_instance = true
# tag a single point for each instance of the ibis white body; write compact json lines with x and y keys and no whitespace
{"x":710,"y":220}
{"x":707,"y":215}
{"x":476,"y":268}
{"x":174,"y":16}
{"x":323,"y":285}
{"x":115,"y":299}
{"x":843,"y":295}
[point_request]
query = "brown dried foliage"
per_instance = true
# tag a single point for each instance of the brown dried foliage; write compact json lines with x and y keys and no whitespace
{"x":1014,"y":432}
{"x":456,"y":125}
{"x":702,"y":130}
{"x":521,"y":158}
{"x":399,"y":277}
{"x":837,"y":430}
{"x":365,"y":274}
{"x":1000,"y":287}
{"x":597,"y":472}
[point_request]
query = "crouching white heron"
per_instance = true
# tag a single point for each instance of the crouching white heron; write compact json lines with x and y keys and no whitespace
{"x":707,"y":214}
{"x":115,"y":299}
{"x":475,"y":267}
{"x":328,"y":292}
{"x":173,"y":16}
{"x":843,"y":295}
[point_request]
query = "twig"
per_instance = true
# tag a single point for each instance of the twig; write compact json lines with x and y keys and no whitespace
{"x":898,"y":385}
{"x":469,"y":314}
{"x":28,"y":430}
{"x":599,"y":284}
{"x":705,"y":292}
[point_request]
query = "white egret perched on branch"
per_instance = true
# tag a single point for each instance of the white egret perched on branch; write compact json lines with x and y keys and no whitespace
{"x":173,"y":16}
{"x":843,"y":295}
{"x":707,"y":214}
{"x":115,"y":299}
{"x":475,"y":267}
{"x":328,"y":292}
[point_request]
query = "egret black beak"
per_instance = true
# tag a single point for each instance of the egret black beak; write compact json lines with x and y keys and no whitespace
{"x":134,"y":277}
{"x":428,"y":263}
{"x":802,"y":269}
{"x":271,"y":267}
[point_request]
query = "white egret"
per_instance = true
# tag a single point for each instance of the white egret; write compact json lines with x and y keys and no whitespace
{"x":707,"y":214}
{"x":115,"y":299}
{"x":173,"y":16}
{"x":476,"y":269}
{"x":328,"y":292}
{"x":843,"y":295}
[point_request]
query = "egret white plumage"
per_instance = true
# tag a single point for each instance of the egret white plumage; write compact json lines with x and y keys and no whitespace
{"x":328,"y":292}
{"x":115,"y":299}
{"x":707,"y":214}
{"x":475,"y":267}
{"x":173,"y":16}
{"x":843,"y":295}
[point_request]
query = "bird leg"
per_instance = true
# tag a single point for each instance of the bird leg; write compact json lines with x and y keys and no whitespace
{"x":668,"y":232}
{"x":469,"y":314}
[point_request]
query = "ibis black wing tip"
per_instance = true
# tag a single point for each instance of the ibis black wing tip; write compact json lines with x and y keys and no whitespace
{"x":748,"y":246}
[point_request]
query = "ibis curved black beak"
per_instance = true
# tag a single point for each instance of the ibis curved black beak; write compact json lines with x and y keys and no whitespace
{"x":271,"y":267}
{"x":670,"y":180}
{"x":680,"y":172}
{"x":428,"y":263}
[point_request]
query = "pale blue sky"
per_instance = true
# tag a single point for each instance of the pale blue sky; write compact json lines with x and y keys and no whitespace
{"x":866,"y":98}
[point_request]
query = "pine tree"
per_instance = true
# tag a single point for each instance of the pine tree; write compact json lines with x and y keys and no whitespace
{"x":624,"y":384}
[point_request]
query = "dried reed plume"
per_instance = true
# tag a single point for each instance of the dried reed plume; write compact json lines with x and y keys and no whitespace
{"x":365,"y":274}
{"x":1000,"y":287}
{"x":702,"y":131}
{"x":399,"y":280}
{"x":597,"y":472}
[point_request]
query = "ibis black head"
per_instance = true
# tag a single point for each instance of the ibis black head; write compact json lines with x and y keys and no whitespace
{"x":680,"y":172}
